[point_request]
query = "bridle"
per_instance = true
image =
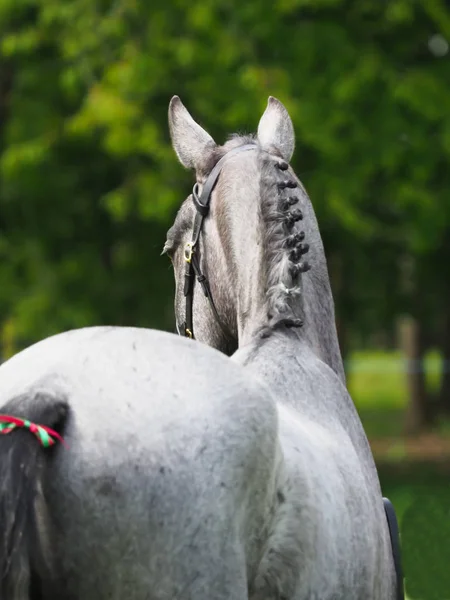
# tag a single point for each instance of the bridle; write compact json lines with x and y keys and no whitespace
{"x":191,"y":254}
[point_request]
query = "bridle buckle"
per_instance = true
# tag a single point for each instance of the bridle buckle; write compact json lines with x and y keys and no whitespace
{"x":188,"y":252}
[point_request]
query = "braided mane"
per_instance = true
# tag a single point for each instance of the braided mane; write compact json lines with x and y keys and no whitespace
{"x":284,"y":244}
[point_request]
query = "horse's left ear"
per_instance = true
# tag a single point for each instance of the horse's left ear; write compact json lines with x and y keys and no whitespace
{"x":276,"y":129}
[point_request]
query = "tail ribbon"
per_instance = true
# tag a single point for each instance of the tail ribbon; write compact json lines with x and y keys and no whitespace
{"x":46,"y":437}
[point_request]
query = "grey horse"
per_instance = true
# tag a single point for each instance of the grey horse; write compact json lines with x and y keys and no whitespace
{"x":166,"y":487}
{"x":249,"y":231}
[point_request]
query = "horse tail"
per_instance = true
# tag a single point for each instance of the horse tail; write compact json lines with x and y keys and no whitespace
{"x":26,"y":553}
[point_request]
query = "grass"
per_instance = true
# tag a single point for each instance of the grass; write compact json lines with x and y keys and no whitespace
{"x":425,"y":552}
{"x":377,"y":384}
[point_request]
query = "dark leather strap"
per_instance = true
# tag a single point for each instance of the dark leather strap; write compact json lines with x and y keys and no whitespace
{"x":395,"y":543}
{"x":202,"y":209}
{"x":207,"y":291}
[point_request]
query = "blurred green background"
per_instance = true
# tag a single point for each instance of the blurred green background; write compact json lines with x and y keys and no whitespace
{"x":89,"y":183}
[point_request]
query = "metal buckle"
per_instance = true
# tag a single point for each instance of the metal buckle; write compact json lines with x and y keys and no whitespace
{"x":188,"y":252}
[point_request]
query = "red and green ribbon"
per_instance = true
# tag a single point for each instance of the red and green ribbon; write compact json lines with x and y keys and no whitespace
{"x":46,"y":437}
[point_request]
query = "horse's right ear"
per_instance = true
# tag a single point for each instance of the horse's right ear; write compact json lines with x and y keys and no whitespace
{"x":192,"y":144}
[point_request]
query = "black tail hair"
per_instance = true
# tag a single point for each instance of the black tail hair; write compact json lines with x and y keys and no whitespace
{"x":25,"y":526}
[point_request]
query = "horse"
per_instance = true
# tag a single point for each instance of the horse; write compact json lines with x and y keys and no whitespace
{"x":133,"y":464}
{"x":238,"y":246}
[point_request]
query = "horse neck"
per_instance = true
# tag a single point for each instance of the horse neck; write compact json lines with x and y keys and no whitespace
{"x":251,"y":234}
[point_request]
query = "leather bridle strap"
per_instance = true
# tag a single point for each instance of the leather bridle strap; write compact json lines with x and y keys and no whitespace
{"x":191,"y":254}
{"x":395,"y":543}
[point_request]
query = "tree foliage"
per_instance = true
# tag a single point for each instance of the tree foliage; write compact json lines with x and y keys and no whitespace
{"x":89,"y":182}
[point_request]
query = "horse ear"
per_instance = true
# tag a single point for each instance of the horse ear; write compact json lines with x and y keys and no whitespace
{"x":275,"y":129}
{"x":192,"y":144}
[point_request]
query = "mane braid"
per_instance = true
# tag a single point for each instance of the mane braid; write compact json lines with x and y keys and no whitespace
{"x":283,"y":244}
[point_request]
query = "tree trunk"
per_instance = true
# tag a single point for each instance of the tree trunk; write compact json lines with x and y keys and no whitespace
{"x":337,"y":278}
{"x":413,"y":346}
{"x":341,"y":327}
{"x":6,"y":80}
{"x":444,"y":391}
{"x":443,"y":403}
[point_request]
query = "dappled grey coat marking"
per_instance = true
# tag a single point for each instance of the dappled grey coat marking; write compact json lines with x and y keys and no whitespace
{"x":328,"y":538}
